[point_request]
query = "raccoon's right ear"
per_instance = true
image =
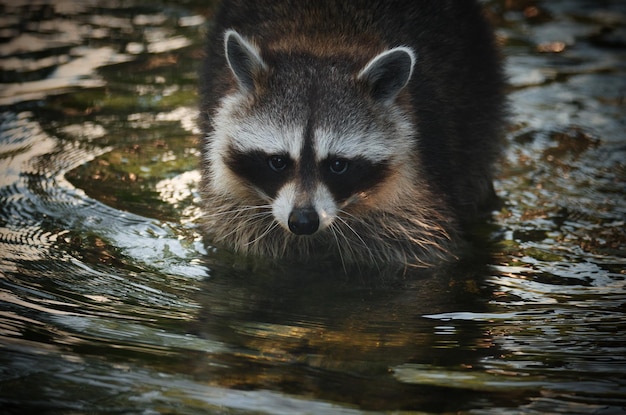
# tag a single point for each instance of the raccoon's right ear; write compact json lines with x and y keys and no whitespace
{"x":388,"y":72}
{"x":243,"y":59}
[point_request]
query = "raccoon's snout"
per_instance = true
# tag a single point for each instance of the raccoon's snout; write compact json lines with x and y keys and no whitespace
{"x":303,"y":221}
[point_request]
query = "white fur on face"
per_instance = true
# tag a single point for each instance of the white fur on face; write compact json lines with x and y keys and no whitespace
{"x":246,"y":133}
{"x":253,"y":133}
{"x":322,"y":201}
{"x":261,"y":135}
{"x":375,"y":146}
{"x":325,"y":206}
{"x":283,"y":204}
{"x":351,"y":145}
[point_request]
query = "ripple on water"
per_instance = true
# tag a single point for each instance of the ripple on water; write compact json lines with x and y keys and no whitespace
{"x":58,"y":286}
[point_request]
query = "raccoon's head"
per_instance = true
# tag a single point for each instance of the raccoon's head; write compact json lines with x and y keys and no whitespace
{"x":312,"y":137}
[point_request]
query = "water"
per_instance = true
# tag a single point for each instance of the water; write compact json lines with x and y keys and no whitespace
{"x":112,"y":302}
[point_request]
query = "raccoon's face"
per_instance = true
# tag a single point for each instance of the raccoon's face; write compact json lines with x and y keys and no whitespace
{"x":312,"y":140}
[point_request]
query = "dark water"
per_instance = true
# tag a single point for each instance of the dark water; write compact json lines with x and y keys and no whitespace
{"x":112,"y":303}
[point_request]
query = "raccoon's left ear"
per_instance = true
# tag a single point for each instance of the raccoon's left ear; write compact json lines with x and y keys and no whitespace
{"x":387,"y":73}
{"x":243,"y":59}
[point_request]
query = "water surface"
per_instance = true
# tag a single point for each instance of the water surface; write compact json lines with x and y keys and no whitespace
{"x":111,"y":302}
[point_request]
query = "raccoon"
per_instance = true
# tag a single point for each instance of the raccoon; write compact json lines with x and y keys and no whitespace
{"x":360,"y":129}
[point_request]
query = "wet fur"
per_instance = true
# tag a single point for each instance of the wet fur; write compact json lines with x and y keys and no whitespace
{"x":453,"y":104}
{"x":401,"y":235}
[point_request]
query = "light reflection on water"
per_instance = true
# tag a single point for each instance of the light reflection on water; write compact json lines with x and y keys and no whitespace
{"x":112,"y":302}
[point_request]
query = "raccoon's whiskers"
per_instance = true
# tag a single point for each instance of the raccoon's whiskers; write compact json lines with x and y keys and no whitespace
{"x":267,"y":230}
{"x":347,"y":225}
{"x":334,"y":229}
{"x":239,"y":210}
{"x":239,"y":220}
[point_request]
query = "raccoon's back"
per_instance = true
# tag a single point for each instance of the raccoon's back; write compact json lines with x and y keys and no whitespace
{"x":456,"y":89}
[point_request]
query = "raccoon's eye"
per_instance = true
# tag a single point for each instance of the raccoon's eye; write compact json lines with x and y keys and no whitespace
{"x":278,"y":163}
{"x":339,"y":166}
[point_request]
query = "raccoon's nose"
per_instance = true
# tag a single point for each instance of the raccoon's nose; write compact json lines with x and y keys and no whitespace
{"x":303,"y":221}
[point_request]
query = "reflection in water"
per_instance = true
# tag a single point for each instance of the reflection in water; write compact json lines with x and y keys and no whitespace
{"x":111,"y":302}
{"x":337,"y":337}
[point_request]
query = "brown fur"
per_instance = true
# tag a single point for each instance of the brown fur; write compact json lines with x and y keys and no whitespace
{"x":454,"y":103}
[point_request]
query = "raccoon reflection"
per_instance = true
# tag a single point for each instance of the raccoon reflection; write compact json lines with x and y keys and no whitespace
{"x":361,"y":129}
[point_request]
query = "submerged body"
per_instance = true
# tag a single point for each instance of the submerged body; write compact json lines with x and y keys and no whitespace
{"x":361,"y":129}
